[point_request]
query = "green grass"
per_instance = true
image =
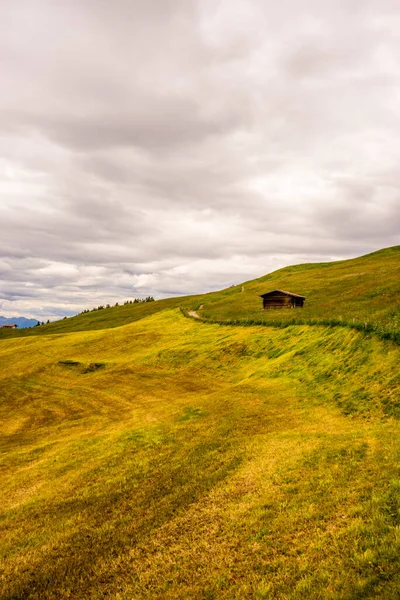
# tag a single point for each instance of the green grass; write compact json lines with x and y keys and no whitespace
{"x":363,"y":292}
{"x":144,"y":455}
{"x":102,"y":319}
{"x":199,"y":460}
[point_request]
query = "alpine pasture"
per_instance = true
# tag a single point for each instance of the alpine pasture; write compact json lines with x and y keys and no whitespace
{"x":148,"y":455}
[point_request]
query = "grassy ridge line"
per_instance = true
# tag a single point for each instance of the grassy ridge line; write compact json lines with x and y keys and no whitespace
{"x":362,"y":293}
{"x":361,"y":290}
{"x":380,"y":332}
{"x":107,"y":318}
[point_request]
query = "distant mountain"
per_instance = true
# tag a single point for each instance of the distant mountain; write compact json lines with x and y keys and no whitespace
{"x":20,"y":321}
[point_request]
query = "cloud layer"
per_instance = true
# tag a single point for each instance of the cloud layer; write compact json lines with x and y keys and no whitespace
{"x":179,"y":146}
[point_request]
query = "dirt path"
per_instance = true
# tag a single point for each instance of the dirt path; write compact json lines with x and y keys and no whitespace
{"x":194,"y":314}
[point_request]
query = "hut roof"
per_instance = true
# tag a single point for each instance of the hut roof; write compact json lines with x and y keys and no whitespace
{"x":282,"y":292}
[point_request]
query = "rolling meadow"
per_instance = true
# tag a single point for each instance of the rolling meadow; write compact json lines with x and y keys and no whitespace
{"x":147,"y":455}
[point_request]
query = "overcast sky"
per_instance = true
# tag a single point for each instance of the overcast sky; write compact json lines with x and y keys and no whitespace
{"x":177,"y":146}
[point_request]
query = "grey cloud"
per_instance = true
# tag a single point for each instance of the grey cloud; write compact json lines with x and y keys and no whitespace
{"x":159,"y":124}
{"x":177,"y":146}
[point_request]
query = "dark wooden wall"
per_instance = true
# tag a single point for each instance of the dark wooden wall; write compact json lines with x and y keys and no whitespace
{"x":282,"y":301}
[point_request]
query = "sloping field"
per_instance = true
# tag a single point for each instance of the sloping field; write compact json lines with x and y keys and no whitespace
{"x":364,"y":291}
{"x":175,"y":459}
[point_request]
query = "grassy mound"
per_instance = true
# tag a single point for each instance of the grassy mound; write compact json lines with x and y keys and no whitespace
{"x":200,"y":461}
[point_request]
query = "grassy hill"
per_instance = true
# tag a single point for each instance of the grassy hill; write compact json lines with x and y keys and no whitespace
{"x":103,"y":319}
{"x":167,"y":458}
{"x":360,"y":290}
{"x":363,"y":290}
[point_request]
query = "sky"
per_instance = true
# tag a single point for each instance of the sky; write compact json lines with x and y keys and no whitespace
{"x":166,"y":147}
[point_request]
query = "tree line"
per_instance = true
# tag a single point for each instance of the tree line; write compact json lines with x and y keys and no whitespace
{"x":105,"y":306}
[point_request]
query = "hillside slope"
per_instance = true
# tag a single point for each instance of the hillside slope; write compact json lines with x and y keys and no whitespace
{"x":361,"y":290}
{"x":103,"y":319}
{"x":171,"y":459}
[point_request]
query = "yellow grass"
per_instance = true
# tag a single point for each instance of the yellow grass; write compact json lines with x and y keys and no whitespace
{"x":199,"y":461}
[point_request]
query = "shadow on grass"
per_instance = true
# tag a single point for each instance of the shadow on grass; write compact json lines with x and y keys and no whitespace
{"x":117,"y":516}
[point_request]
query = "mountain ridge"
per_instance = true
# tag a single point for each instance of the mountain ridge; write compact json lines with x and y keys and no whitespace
{"x":22,"y":322}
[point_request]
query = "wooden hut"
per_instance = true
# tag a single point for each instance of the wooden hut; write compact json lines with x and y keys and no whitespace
{"x":282,"y":299}
{"x":9,"y":326}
